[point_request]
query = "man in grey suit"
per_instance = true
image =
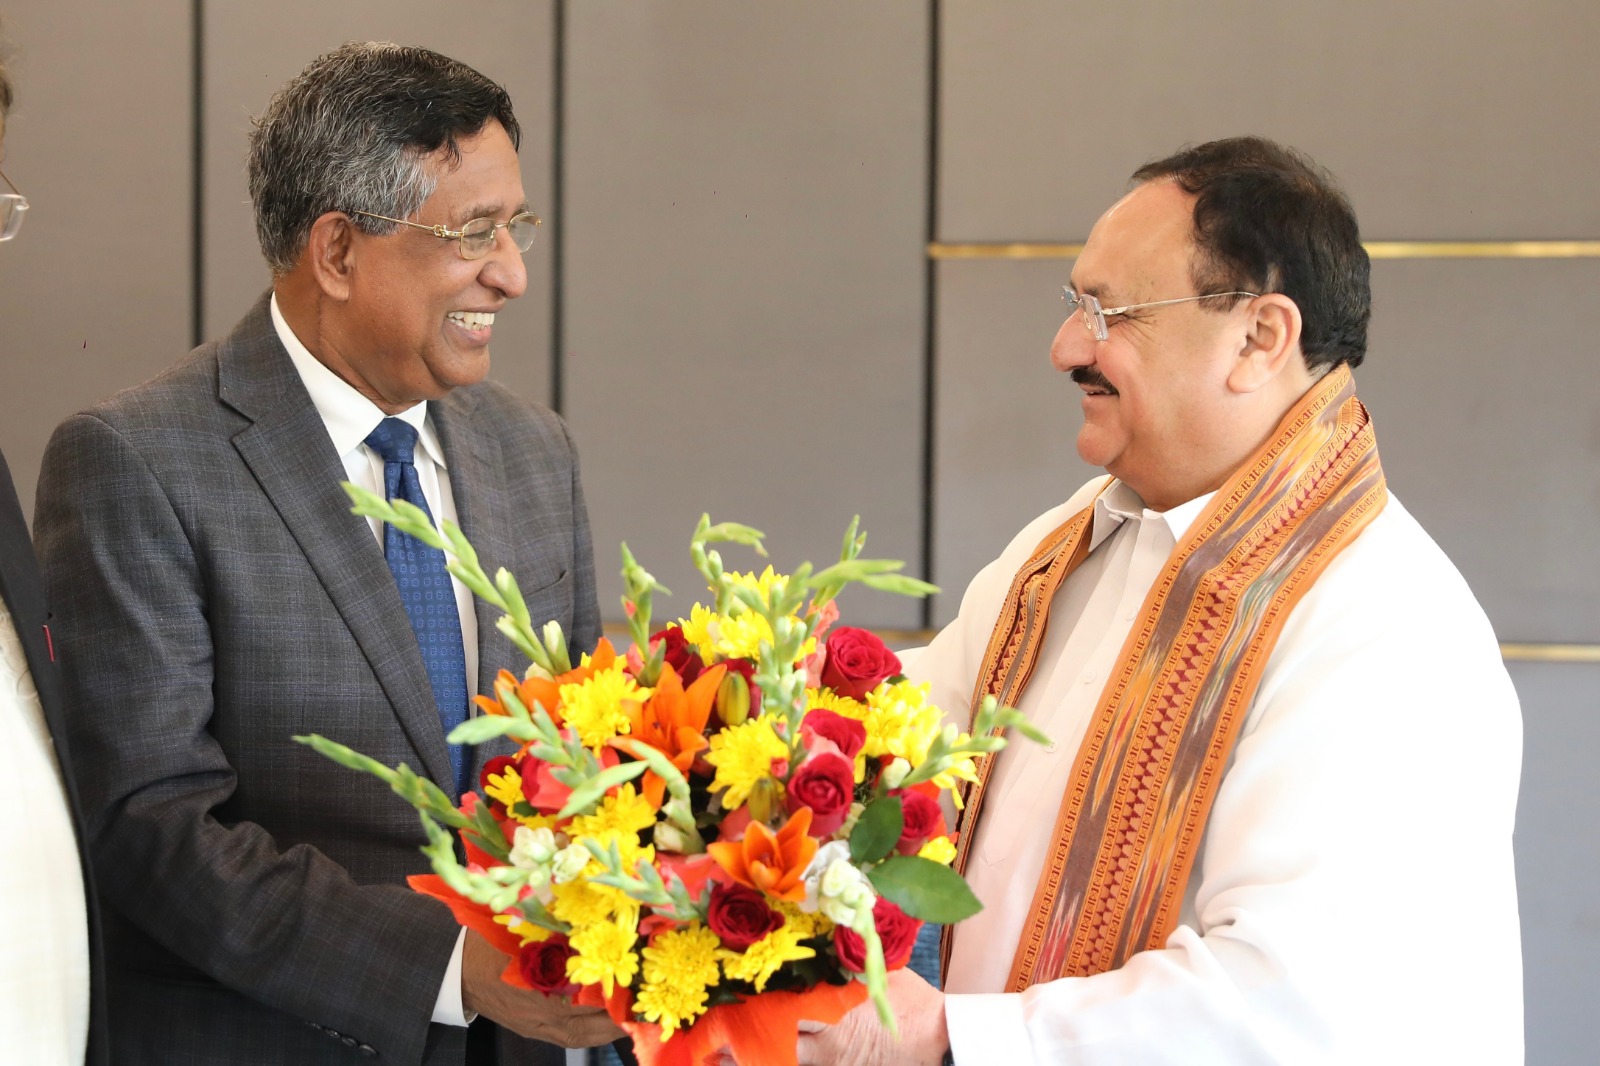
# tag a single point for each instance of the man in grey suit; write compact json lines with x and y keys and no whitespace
{"x":214,"y":595}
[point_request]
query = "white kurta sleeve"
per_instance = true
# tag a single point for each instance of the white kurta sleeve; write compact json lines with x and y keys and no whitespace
{"x":1354,"y":898}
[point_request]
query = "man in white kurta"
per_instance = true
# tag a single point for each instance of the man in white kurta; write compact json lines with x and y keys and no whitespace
{"x":1352,"y":898}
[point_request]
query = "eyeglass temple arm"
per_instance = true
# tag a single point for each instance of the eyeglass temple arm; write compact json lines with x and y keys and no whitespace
{"x":1179,"y":300}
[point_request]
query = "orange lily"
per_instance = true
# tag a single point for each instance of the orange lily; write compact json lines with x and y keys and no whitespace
{"x":769,"y":862}
{"x":545,"y":691}
{"x":673,"y":722}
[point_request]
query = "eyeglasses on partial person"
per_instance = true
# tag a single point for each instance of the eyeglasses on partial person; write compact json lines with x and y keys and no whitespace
{"x":12,"y":207}
{"x":1094,"y":316}
{"x":475,"y":238}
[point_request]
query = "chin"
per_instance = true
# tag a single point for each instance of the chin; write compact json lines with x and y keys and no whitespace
{"x":1095,"y":450}
{"x":460,"y":372}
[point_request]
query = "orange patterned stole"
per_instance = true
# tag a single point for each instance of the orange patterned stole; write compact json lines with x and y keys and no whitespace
{"x":1136,"y":804}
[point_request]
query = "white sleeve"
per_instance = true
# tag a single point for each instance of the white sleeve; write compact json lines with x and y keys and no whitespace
{"x":1354,"y":898}
{"x":447,"y":1009}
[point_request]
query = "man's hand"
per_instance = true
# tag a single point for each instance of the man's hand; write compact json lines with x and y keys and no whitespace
{"x":531,"y":1014}
{"x":859,"y":1039}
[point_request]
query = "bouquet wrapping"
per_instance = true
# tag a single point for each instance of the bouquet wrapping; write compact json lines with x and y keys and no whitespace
{"x":732,"y":826}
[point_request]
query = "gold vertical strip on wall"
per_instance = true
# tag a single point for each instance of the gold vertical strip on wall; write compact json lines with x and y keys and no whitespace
{"x":1575,"y":249}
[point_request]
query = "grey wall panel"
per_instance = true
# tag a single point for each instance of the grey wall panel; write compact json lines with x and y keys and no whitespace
{"x":94,"y":290}
{"x":745,"y":194}
{"x":1557,"y":856}
{"x":1482,"y":383}
{"x":252,"y":49}
{"x":1461,"y":120}
{"x":1006,"y":421}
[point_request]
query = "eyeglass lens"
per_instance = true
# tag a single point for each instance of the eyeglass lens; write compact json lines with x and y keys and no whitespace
{"x":477,"y":236}
{"x":12,"y":208}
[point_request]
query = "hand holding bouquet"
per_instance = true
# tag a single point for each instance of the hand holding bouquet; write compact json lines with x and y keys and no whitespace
{"x":731,"y":827}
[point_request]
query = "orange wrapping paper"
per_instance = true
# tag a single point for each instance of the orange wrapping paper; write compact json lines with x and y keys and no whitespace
{"x":761,"y":1031}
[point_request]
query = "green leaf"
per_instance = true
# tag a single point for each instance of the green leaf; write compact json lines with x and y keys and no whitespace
{"x":348,"y":757}
{"x":924,"y":889}
{"x":589,"y":793}
{"x":487,"y":834}
{"x":877,"y":831}
{"x":487,"y":727}
{"x":899,"y":584}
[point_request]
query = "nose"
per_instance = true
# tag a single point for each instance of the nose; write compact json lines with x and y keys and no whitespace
{"x":1073,"y":346}
{"x":503,"y":268}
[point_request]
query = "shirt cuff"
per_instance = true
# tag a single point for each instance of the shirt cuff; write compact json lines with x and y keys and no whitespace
{"x":987,"y":1028}
{"x":447,"y":1009}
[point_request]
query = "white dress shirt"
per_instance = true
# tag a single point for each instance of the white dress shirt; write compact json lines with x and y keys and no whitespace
{"x":1354,"y":896}
{"x":44,"y":950}
{"x":350,"y":417}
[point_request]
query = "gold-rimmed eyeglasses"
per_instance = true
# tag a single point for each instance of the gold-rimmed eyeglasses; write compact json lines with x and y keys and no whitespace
{"x":475,"y":238}
{"x":1094,"y":316}
{"x":12,"y":206}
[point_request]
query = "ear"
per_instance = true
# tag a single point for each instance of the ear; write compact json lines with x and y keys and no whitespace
{"x":1271,"y":343}
{"x":331,"y":253}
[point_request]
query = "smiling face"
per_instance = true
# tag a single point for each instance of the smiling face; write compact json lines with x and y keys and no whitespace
{"x":416,"y":318}
{"x":1156,"y":401}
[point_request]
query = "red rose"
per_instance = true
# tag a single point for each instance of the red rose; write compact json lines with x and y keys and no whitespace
{"x":740,"y":915}
{"x":682,"y":656}
{"x":857,"y":662}
{"x":923,"y":819}
{"x":847,"y":734}
{"x":897,"y":930}
{"x":544,"y":966}
{"x":826,"y":783}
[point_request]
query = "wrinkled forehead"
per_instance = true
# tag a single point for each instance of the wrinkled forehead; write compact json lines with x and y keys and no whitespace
{"x":1141,"y":246}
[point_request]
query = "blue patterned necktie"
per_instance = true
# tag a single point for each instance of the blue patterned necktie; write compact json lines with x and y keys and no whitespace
{"x":425,"y":588}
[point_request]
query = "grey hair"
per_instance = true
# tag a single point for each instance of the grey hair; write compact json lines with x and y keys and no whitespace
{"x":6,"y":96}
{"x":357,"y":130}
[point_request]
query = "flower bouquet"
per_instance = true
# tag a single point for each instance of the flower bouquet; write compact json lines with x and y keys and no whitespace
{"x":731,"y":827}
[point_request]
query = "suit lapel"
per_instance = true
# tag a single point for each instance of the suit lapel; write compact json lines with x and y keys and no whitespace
{"x":21,"y":591}
{"x":288,"y":450}
{"x":473,"y":458}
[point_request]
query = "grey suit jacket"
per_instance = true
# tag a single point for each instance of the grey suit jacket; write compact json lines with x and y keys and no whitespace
{"x":215,"y":596}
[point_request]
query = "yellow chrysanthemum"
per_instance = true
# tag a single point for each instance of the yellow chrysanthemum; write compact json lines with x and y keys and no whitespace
{"x":736,"y":635}
{"x":604,"y":953}
{"x":805,"y":925}
{"x":758,"y":962}
{"x":901,"y":722}
{"x":506,"y":788}
{"x":761,"y":584}
{"x":624,"y":812}
{"x":743,"y":755}
{"x":960,"y":769}
{"x":739,"y":633}
{"x":583,"y":903}
{"x":593,"y":707}
{"x":530,"y":933}
{"x":678,"y":968}
{"x":939,"y":849}
{"x":828,"y":700}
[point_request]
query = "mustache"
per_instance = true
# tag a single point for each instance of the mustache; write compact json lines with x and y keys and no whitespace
{"x":1088,"y":375}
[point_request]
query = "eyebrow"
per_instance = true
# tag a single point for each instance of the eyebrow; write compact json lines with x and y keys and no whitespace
{"x":483,"y":210}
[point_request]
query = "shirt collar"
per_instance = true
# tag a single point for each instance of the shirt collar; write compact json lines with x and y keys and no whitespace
{"x":349,"y":416}
{"x":1118,"y":503}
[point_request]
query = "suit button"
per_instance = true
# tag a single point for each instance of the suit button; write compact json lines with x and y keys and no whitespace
{"x":369,"y":1051}
{"x":349,"y":1041}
